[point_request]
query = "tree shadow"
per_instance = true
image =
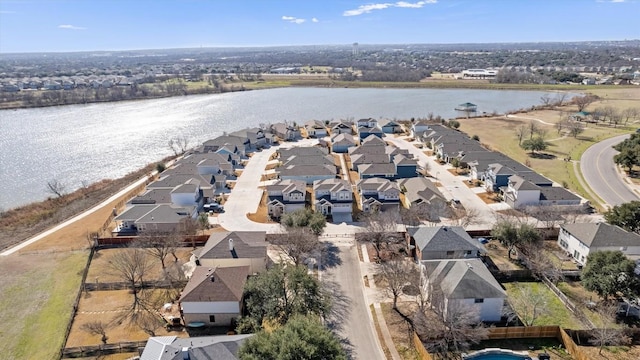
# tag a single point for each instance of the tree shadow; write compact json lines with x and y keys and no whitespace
{"x":340,"y":310}
{"x":331,"y":256}
{"x":543,"y":156}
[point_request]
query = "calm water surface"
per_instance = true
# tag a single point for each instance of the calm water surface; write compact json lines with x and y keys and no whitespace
{"x":91,"y":142}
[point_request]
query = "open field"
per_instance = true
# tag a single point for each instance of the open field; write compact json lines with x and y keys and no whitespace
{"x":38,"y":291}
{"x":499,"y":133}
{"x":555,"y":313}
{"x":612,"y":352}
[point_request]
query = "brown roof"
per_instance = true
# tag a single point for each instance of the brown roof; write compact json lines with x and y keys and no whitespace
{"x":215,"y":284}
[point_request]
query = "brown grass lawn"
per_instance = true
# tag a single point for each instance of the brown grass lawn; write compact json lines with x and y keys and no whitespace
{"x":100,"y":265}
{"x":400,"y":331}
{"x":498,"y":254}
{"x":106,"y":306}
{"x":612,"y":352}
{"x":121,"y":356}
{"x":385,"y":349}
{"x":488,"y":198}
{"x":262,"y":214}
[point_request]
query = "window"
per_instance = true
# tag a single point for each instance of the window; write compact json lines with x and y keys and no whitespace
{"x":212,"y":318}
{"x":468,"y":252}
{"x":479,"y":301}
{"x":563,"y":243}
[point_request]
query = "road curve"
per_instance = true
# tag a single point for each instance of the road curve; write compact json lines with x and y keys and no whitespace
{"x":599,"y":171}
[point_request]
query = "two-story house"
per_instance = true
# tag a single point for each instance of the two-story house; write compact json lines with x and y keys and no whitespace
{"x":285,"y":196}
{"x":418,"y":128}
{"x":390,"y":126}
{"x":333,"y":197}
{"x":378,"y":194}
{"x":442,"y":242}
{"x":316,"y":129}
{"x":341,"y":142}
{"x":581,"y":239}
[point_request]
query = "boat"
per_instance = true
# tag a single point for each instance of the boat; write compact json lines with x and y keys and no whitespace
{"x":467,"y":107}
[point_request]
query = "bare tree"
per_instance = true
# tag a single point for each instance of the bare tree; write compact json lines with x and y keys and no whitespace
{"x":131,"y":266}
{"x":560,"y":99}
{"x":398,"y":274}
{"x":530,"y":304}
{"x":532,"y":128}
{"x":149,"y":322}
{"x":56,"y":187}
{"x":583,"y":101}
{"x":465,"y":216}
{"x":159,"y":244}
{"x":546,"y":99}
{"x":298,"y":243}
{"x":97,"y":328}
{"x":521,"y":132}
{"x":381,"y":228}
{"x":450,"y":331}
{"x":575,"y":128}
{"x":608,"y":333}
{"x":179,"y":145}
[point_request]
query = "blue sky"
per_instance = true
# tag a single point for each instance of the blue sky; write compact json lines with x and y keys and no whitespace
{"x":85,"y":25}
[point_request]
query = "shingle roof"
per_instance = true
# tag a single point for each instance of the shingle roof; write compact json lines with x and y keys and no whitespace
{"x":442,"y":238}
{"x":308,"y":170}
{"x":332,"y":185}
{"x":602,"y":235}
{"x":377,"y":169}
{"x":220,"y":347}
{"x":153,"y":196}
{"x":463,"y":279}
{"x":135,"y":212}
{"x":166,"y":214}
{"x":556,"y":193}
{"x":521,"y":184}
{"x":246,"y":245}
{"x":215,"y":284}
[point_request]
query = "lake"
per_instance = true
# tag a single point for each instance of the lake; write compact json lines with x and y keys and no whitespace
{"x":77,"y":143}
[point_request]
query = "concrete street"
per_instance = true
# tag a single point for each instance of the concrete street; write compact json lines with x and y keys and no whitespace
{"x":454,"y":188}
{"x":352,"y":319}
{"x":599,"y":171}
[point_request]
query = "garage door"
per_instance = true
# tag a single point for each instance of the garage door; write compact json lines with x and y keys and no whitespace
{"x":342,"y":217}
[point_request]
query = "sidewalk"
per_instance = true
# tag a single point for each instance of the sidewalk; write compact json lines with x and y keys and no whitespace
{"x":370,"y":295}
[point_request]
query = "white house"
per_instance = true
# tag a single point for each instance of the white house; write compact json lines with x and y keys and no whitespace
{"x":368,"y":123}
{"x":378,"y":194}
{"x":521,"y":193}
{"x":219,"y":347}
{"x":316,"y":128}
{"x":213,"y":296}
{"x":418,"y":128}
{"x":285,"y":196}
{"x":462,"y":285}
{"x":579,"y":240}
{"x":187,"y":195}
{"x":334,"y":197}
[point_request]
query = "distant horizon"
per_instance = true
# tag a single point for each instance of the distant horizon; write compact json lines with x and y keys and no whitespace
{"x":66,"y":26}
{"x":213,"y":47}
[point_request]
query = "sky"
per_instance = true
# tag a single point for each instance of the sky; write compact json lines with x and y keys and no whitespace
{"x":91,"y":25}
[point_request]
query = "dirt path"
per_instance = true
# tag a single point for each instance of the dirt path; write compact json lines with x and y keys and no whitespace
{"x":529,"y":118}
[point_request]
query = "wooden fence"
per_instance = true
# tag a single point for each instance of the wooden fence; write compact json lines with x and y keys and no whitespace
{"x":577,"y":312}
{"x":104,"y":349}
{"x":518,"y":332}
{"x":104,"y":286}
{"x":122,"y":241}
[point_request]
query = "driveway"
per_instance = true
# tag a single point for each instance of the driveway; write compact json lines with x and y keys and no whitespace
{"x":453,"y":186}
{"x":246,"y":194}
{"x":599,"y":171}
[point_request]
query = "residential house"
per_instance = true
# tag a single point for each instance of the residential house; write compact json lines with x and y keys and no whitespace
{"x":255,"y":137}
{"x":341,"y":127}
{"x":219,"y":347}
{"x":364,"y":132}
{"x":333,"y":197}
{"x":341,"y":143}
{"x":377,"y":194}
{"x":307,"y":164}
{"x":520,"y":193}
{"x":419,"y":127}
{"x":240,"y":144}
{"x":406,"y":166}
{"x":186,"y":195}
{"x":497,"y":176}
{"x":213,"y":296}
{"x":360,"y":159}
{"x":285,"y":132}
{"x":285,"y":196}
{"x":152,"y":217}
{"x":231,"y":249}
{"x":580,"y":240}
{"x":152,"y":197}
{"x":316,"y":129}
{"x":558,"y":196}
{"x":442,"y":242}
{"x":387,"y":170}
{"x":368,"y":123}
{"x":422,"y":195}
{"x":462,"y":285}
{"x":390,"y":126}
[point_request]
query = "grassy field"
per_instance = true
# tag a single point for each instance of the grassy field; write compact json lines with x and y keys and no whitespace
{"x":499,"y":133}
{"x":555,"y":313}
{"x":38,"y":290}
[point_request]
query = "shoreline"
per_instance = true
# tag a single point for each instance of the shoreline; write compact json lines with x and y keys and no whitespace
{"x":330,"y":83}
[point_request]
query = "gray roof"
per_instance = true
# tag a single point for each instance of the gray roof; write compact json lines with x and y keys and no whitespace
{"x":153,"y":196}
{"x":135,"y":212}
{"x":463,"y":279}
{"x":332,"y":185}
{"x":377,"y":169}
{"x":556,"y":193}
{"x":402,"y":160}
{"x":379,"y":184}
{"x":442,"y":238}
{"x":185,"y":188}
{"x":602,"y":235}
{"x":246,"y":245}
{"x":373,"y":140}
{"x":521,"y":184}
{"x":220,"y":347}
{"x":308,"y":160}
{"x":308,"y":170}
{"x":368,"y":150}
{"x":370,"y":159}
{"x":166,"y":214}
{"x":215,"y":284}
{"x":419,"y":189}
{"x":288,"y":185}
{"x":301,"y":151}
{"x":343,"y":139}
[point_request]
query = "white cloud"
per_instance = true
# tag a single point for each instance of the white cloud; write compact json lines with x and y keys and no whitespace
{"x":365,"y":9}
{"x":314,"y":20}
{"x":292,"y":19}
{"x":71,"y":27}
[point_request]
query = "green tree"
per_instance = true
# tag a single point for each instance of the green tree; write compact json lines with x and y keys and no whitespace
{"x":535,"y":144}
{"x":513,"y":236}
{"x":609,"y":273}
{"x":280,"y":293}
{"x":302,"y":337}
{"x":305,"y":218}
{"x":627,"y":158}
{"x":626,"y":215}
